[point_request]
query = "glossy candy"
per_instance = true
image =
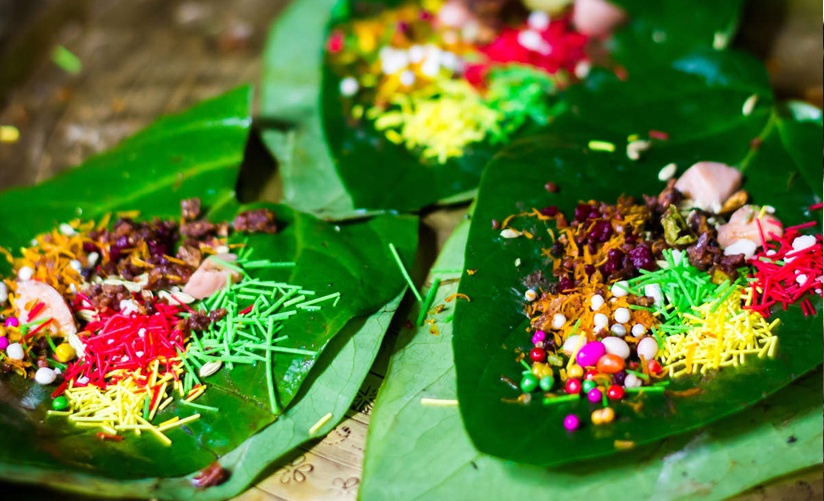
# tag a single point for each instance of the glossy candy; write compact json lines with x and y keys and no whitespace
{"x":4,"y":342}
{"x":603,"y":416}
{"x":616,"y":346}
{"x":590,"y":353}
{"x":654,"y":367}
{"x":529,"y":383}
{"x":594,"y":395}
{"x":647,"y":348}
{"x":590,"y":374}
{"x":538,"y":337}
{"x":537,"y":354}
{"x":615,"y":392}
{"x":547,"y":382}
{"x":576,"y":371}
{"x":12,"y":322}
{"x":64,"y":353}
{"x":572,"y":386}
{"x":610,"y":364}
{"x":572,"y":422}
{"x":588,"y":385}
{"x":60,"y":403}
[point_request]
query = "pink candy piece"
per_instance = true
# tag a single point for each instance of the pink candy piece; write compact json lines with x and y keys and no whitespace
{"x":12,"y":322}
{"x":538,"y":337}
{"x":4,"y":343}
{"x":590,"y":353}
{"x":572,"y":422}
{"x":594,"y":395}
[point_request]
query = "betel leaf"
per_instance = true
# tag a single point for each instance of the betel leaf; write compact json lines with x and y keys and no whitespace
{"x":417,"y":451}
{"x":196,"y":153}
{"x":331,"y":387}
{"x":492,"y":326}
{"x":336,"y":170}
{"x":660,"y":31}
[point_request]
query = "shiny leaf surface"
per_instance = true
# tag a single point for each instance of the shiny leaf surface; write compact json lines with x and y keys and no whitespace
{"x":409,"y":457}
{"x":488,"y":329}
{"x":197,"y":153}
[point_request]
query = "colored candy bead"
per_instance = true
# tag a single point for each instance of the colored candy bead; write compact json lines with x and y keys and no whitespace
{"x":571,"y":343}
{"x":529,"y":383}
{"x":654,"y":367}
{"x":632,"y":381}
{"x":537,"y":354}
{"x":572,"y":422}
{"x":576,"y":371}
{"x":615,"y":392}
{"x":538,"y":337}
{"x":60,"y":403}
{"x":572,"y":386}
{"x":64,"y":352}
{"x":647,"y":348}
{"x":44,"y":375}
{"x":588,"y":385}
{"x":541,"y":370}
{"x":616,"y":346}
{"x":590,"y":353}
{"x":594,"y":395}
{"x":547,"y":382}
{"x":4,"y":343}
{"x":603,"y":416}
{"x":590,"y":374}
{"x":610,"y":364}
{"x":15,"y":351}
{"x":621,"y":315}
{"x":11,"y":322}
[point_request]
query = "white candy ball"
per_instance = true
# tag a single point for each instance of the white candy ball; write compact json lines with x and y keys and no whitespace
{"x":647,"y":348}
{"x":616,"y":346}
{"x":44,"y":375}
{"x":621,"y":315}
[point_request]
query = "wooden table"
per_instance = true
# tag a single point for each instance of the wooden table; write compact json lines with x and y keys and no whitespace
{"x":145,"y":58}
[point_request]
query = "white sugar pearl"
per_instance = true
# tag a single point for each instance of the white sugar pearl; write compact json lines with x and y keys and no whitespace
{"x":4,"y":293}
{"x":667,"y":172}
{"x":647,"y":348}
{"x":67,"y":229}
{"x":15,"y":351}
{"x":741,"y":246}
{"x":530,"y":295}
{"x":416,"y":54}
{"x":621,"y":315}
{"x":25,"y":273}
{"x":92,"y":258}
{"x":803,"y":242}
{"x":596,"y":302}
{"x":349,"y":87}
{"x":616,"y":346}
{"x":407,"y":78}
{"x":600,"y":320}
{"x":801,"y":279}
{"x":638,"y":330}
{"x":558,"y":320}
{"x":571,"y":343}
{"x":618,"y":330}
{"x":44,"y":375}
{"x":619,"y":289}
{"x":632,"y":381}
{"x":538,"y":20}
{"x":654,"y":291}
{"x":76,"y":265}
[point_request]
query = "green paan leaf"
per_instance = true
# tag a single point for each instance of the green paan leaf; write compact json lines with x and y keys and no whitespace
{"x":197,"y":153}
{"x":331,"y":387}
{"x":337,"y":169}
{"x":408,"y":456}
{"x":492,"y":326}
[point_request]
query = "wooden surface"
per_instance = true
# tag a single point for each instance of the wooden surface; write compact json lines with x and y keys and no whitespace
{"x":144,"y":58}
